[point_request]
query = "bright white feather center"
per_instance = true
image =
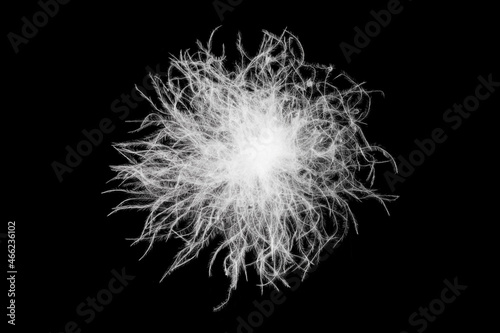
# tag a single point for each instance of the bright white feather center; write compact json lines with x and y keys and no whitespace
{"x":262,"y":153}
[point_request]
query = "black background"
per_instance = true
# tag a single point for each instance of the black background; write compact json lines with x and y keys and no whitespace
{"x":67,"y":76}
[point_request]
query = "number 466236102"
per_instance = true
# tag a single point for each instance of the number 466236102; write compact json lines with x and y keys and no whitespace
{"x":11,"y":248}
